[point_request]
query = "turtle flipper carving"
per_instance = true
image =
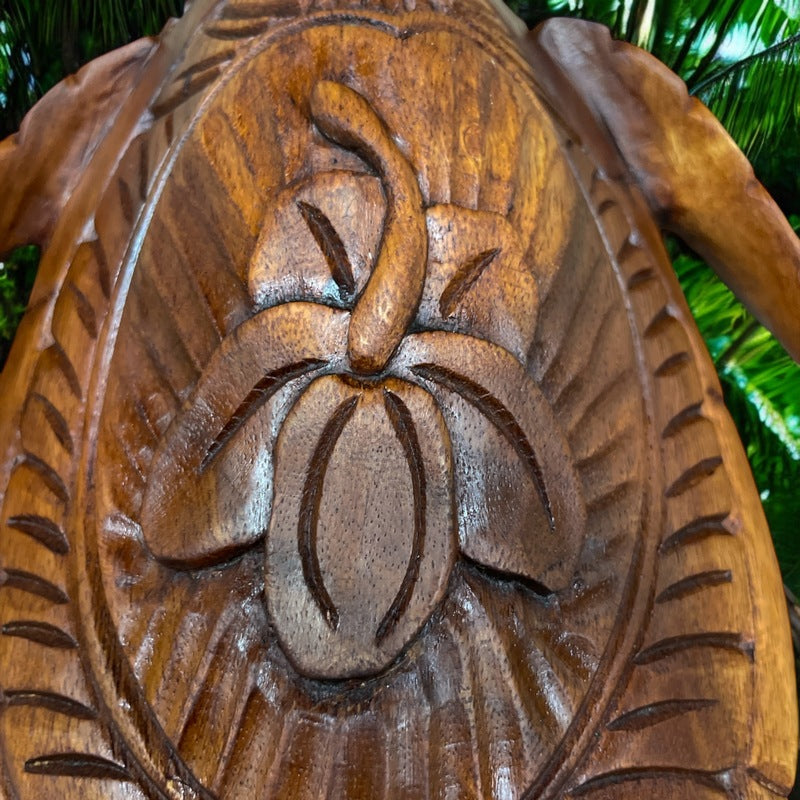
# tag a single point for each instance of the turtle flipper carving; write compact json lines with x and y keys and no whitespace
{"x":667,"y":140}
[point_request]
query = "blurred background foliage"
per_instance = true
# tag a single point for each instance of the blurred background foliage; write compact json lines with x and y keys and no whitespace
{"x":741,"y":57}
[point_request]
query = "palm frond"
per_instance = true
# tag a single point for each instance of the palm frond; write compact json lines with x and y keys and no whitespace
{"x":757,"y":97}
{"x":42,"y":41}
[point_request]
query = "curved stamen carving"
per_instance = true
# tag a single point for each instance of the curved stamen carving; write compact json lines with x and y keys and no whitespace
{"x":392,"y":294}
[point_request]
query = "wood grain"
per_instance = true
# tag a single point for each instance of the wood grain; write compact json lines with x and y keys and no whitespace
{"x":359,"y":443}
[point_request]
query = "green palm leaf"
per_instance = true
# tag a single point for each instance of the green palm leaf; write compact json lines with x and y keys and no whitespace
{"x":757,"y":97}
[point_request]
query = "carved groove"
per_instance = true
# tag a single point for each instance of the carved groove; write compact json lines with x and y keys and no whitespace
{"x":659,"y":322}
{"x":332,"y":248}
{"x":234,"y":29}
{"x":778,"y":789}
{"x":85,"y":310}
{"x":218,"y":59}
{"x":43,"y":530}
{"x":464,"y":279}
{"x":77,"y":765}
{"x":126,"y":201}
{"x":191,"y":87}
{"x":641,"y":277}
{"x":575,"y":383}
{"x":103,"y":272}
{"x":568,"y":334}
{"x":144,"y":172}
{"x":524,"y":581}
{"x":606,"y":205}
{"x":627,"y":250}
{"x":679,"y":644}
{"x":654,"y":713}
{"x":695,"y":583}
{"x":687,"y":416}
{"x":258,"y":10}
{"x":266,"y":388}
{"x":672,"y":364}
{"x":310,"y":506}
{"x":40,"y":633}
{"x":161,"y":371}
{"x":33,"y":584}
{"x":56,"y":421}
{"x":611,"y":497}
{"x":49,"y":477}
{"x":51,"y":701}
{"x":604,"y":451}
{"x":693,"y":475}
{"x":614,"y":384}
{"x":406,"y":431}
{"x":499,"y":416}
{"x":62,"y":363}
{"x":596,"y":179}
{"x":713,"y":780}
{"x":144,"y":417}
{"x":696,"y":530}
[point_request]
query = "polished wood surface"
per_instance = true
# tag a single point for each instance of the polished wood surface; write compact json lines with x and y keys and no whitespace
{"x":358,"y":442}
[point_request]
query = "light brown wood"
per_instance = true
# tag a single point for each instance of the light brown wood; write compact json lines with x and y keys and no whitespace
{"x":359,"y":442}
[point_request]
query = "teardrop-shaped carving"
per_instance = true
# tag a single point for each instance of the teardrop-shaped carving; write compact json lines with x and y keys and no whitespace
{"x":365,"y":469}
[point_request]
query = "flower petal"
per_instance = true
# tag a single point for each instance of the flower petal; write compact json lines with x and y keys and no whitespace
{"x":290,"y":263}
{"x":476,"y":279}
{"x":362,"y":536}
{"x":520,"y":505}
{"x":209,"y":492}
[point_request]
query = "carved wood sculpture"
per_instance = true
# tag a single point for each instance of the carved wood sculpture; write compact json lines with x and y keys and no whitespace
{"x":358,"y":443}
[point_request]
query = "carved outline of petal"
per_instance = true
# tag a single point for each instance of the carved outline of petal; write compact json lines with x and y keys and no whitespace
{"x":469,"y":366}
{"x":196,"y":447}
{"x":403,"y":424}
{"x":308,"y":517}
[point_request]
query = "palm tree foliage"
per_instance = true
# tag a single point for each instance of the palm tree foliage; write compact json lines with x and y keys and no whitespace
{"x":739,"y":56}
{"x":41,"y":41}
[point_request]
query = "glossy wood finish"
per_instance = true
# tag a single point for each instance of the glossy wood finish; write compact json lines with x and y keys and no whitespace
{"x":359,"y":443}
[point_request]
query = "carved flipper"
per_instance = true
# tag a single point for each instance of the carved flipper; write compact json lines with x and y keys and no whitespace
{"x":691,"y":172}
{"x":42,"y":164}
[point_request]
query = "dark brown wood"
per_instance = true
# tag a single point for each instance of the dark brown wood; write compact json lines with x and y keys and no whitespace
{"x":358,"y":442}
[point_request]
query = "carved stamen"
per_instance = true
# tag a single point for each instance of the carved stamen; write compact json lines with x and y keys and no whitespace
{"x":392,"y":294}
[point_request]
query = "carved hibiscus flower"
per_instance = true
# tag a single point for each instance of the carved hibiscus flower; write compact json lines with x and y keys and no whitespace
{"x":373,"y":421}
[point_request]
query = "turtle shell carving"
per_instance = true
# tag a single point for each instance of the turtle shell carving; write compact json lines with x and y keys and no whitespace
{"x":371,"y":452}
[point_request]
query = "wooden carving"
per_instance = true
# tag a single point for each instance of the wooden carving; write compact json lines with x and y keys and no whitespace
{"x":358,"y":442}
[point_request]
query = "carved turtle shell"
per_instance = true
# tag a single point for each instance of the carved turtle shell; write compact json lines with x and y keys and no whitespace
{"x":360,"y":443}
